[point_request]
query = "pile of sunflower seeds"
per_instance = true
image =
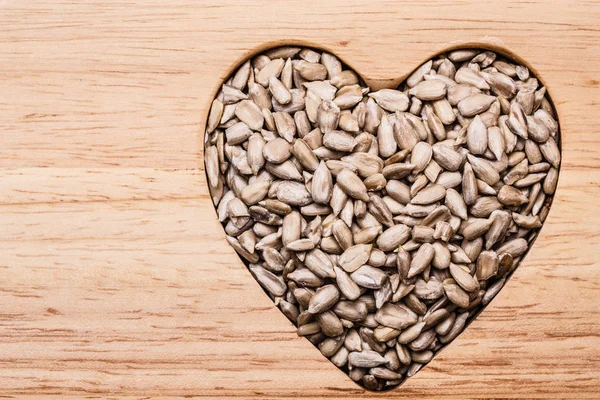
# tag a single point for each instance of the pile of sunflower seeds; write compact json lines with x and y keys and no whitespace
{"x":381,"y":223}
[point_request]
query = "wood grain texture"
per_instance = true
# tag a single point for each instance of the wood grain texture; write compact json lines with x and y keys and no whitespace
{"x":115,"y":278}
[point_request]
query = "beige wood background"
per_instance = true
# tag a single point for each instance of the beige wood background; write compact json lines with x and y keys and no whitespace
{"x":115,"y":278}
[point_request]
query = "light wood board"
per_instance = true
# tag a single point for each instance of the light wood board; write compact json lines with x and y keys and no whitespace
{"x":115,"y":277}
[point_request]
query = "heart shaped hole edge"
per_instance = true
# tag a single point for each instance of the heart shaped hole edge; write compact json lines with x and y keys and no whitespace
{"x":377,"y":375}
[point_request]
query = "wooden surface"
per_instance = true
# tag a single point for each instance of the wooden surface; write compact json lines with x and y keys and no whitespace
{"x":115,"y":278}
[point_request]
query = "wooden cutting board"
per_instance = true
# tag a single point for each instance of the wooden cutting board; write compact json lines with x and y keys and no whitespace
{"x":115,"y":277}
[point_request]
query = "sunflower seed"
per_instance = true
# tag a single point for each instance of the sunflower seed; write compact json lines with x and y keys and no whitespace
{"x":430,"y":194}
{"x":390,"y":100}
{"x":395,"y":316}
{"x":421,"y":260}
{"x":456,"y":295}
{"x":476,"y":228}
{"x":551,"y":181}
{"x":268,"y":280}
{"x":284,"y":123}
{"x":330,"y":324}
{"x":477,"y":137}
{"x":511,"y":196}
{"x":447,"y":158}
{"x":484,"y":170}
{"x":323,"y":299}
{"x":418,"y":74}
{"x":293,"y":193}
{"x":276,"y":151}
{"x":365,"y":359}
{"x":423,"y":341}
{"x":487,"y":265}
{"x":322,"y":184}
{"x":338,"y":140}
{"x":354,"y":257}
{"x":528,"y":222}
{"x":428,"y":90}
{"x":484,"y":206}
{"x":551,"y":152}
{"x":272,"y":68}
{"x":456,"y":204}
{"x":351,"y":184}
{"x":310,"y":71}
{"x":392,"y":237}
{"x":468,"y":76}
{"x":369,"y":277}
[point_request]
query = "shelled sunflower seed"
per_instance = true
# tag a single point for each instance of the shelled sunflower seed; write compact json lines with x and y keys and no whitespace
{"x":381,"y":223}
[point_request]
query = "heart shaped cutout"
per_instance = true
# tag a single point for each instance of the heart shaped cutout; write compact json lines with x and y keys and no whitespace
{"x":381,"y":222}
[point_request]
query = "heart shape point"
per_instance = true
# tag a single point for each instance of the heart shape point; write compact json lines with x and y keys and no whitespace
{"x":381,"y":222}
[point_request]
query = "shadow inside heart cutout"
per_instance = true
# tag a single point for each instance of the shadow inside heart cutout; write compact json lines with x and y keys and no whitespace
{"x":381,"y":222}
